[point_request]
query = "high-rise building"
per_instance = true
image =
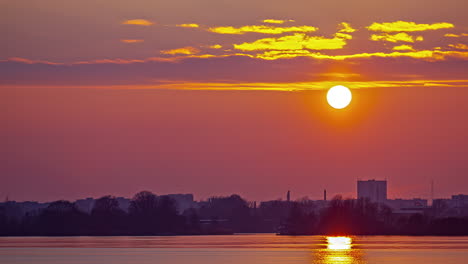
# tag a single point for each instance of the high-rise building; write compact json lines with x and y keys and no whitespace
{"x":375,"y":191}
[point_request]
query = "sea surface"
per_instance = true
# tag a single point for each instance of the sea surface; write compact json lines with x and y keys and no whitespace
{"x":241,"y":249}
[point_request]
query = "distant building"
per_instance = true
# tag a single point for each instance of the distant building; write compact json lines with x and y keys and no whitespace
{"x":460,"y":200}
{"x":375,"y":191}
{"x":407,"y":206}
{"x":456,"y":206}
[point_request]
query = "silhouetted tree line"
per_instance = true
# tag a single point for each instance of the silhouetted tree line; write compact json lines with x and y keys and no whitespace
{"x":149,"y":214}
{"x":362,"y":217}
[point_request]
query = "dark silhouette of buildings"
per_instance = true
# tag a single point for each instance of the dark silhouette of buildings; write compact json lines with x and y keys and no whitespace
{"x":176,"y":214}
{"x":375,"y":191}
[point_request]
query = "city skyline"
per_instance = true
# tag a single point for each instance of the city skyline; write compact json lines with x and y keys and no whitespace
{"x":286,"y":215}
{"x":290,"y":195}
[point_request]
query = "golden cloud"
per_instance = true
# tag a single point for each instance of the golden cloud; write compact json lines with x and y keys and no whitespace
{"x":191,"y":25}
{"x":138,"y":22}
{"x":429,"y":55}
{"x":345,"y":28}
{"x":403,"y":37}
{"x":403,"y":47}
{"x":403,"y":26}
{"x":450,"y":35}
{"x":131,"y":40}
{"x":266,"y":86}
{"x":216,"y":46}
{"x":184,"y":51}
{"x":276,"y":21}
{"x":459,"y":46}
{"x":261,"y":29}
{"x":343,"y":35}
{"x":304,"y":86}
{"x":297,"y":41}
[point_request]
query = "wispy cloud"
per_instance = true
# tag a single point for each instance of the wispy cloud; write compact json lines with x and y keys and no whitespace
{"x":193,"y":53}
{"x":28,"y":61}
{"x":404,"y":47}
{"x":138,"y":22}
{"x":298,"y":41}
{"x":428,"y":55}
{"x":305,"y":86}
{"x":451,"y":35}
{"x":184,"y":50}
{"x":345,"y":28}
{"x":276,"y":21}
{"x":404,"y":26}
{"x":399,"y":37}
{"x":261,"y":29}
{"x":267,"y":86}
{"x":131,"y":40}
{"x":191,"y":25}
{"x":216,"y":46}
{"x":459,"y":46}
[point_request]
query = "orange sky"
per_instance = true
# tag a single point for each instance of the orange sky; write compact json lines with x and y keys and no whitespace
{"x":213,"y":98}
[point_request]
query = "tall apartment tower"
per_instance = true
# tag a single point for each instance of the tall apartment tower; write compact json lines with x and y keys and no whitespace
{"x":375,"y":191}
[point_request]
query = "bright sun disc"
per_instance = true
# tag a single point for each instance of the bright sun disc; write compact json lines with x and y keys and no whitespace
{"x":339,"y":243}
{"x":339,"y":97}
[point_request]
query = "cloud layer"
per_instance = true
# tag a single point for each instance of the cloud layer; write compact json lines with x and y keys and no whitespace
{"x":289,"y":43}
{"x":405,"y":26}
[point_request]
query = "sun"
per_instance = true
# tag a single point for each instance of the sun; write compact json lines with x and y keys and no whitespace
{"x":339,"y":97}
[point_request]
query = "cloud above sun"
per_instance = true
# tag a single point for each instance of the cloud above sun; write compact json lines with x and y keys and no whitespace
{"x":405,"y":26}
{"x":399,"y":37}
{"x":451,"y":35}
{"x":269,"y":42}
{"x":261,"y":29}
{"x":298,"y":41}
{"x":184,"y":50}
{"x":345,"y":27}
{"x":404,"y":47}
{"x":308,"y":41}
{"x":459,"y":46}
{"x":132,"y":40}
{"x":190,"y":25}
{"x":276,"y":21}
{"x":138,"y":22}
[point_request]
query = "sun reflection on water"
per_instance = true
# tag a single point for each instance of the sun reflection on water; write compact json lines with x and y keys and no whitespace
{"x":338,"y":250}
{"x":339,"y":243}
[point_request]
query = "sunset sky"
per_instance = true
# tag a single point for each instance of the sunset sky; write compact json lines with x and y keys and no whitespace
{"x":217,"y":97}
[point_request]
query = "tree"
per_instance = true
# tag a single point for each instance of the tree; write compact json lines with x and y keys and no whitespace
{"x":299,"y":221}
{"x":143,"y":212}
{"x":106,"y":217}
{"x":232,"y":208}
{"x":193,"y":221}
{"x":61,"y":218}
{"x":168,"y":220}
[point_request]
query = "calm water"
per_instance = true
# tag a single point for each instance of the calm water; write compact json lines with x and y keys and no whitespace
{"x":242,"y":249}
